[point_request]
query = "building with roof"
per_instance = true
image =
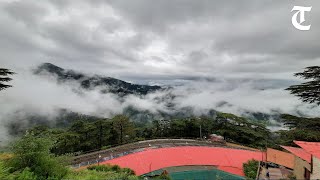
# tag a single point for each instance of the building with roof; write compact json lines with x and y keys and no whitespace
{"x":314,"y":149}
{"x":280,"y":158}
{"x":302,"y":162}
{"x":307,"y":159}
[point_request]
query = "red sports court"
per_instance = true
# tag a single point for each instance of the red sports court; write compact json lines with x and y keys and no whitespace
{"x":225,"y":159}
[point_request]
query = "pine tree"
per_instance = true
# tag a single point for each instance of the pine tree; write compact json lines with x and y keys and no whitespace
{"x":4,"y":78}
{"x":124,"y":128}
{"x":309,"y":91}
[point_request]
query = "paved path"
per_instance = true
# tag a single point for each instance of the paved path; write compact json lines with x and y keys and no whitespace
{"x":275,"y":173}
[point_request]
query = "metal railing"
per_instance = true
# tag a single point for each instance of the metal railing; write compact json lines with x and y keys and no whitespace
{"x":111,"y":153}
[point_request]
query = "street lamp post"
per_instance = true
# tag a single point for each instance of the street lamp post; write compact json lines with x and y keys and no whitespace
{"x":200,"y":132}
{"x":99,"y":159}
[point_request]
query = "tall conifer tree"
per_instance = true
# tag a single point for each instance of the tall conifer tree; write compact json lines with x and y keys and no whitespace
{"x":4,"y":73}
{"x":308,"y":91}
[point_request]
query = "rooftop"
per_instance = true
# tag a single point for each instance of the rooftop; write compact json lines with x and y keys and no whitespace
{"x":301,"y":153}
{"x":311,"y":147}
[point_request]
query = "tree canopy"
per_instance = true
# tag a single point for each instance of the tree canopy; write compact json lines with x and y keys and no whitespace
{"x":34,"y":154}
{"x":4,"y":73}
{"x":32,"y":160}
{"x":84,"y":136}
{"x":308,"y":91}
{"x":300,"y":128}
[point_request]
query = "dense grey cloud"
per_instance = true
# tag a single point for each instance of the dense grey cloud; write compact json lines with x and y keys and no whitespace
{"x":156,"y":38}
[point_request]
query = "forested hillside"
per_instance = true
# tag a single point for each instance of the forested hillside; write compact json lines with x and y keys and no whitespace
{"x":83,"y":136}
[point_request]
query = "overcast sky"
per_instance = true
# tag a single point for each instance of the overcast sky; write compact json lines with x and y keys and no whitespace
{"x":160,"y":38}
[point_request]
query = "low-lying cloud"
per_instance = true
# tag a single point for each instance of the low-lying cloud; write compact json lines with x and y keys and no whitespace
{"x":42,"y":95}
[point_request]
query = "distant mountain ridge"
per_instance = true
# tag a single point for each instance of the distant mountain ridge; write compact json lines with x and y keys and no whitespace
{"x":122,"y":88}
{"x":106,"y":84}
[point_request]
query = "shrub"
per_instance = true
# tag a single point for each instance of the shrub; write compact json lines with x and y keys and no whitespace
{"x":34,"y":153}
{"x":250,"y":169}
{"x":103,"y":168}
{"x":4,"y":171}
{"x":113,"y":168}
{"x":26,"y":174}
{"x":128,"y":171}
{"x":116,"y":168}
{"x":98,"y":175}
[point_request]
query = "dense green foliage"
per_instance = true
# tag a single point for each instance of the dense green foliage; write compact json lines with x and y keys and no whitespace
{"x":32,"y":160}
{"x":98,"y":175}
{"x":231,"y":127}
{"x":114,"y":168}
{"x":84,"y":136}
{"x":240,"y":130}
{"x":4,"y":73}
{"x":4,"y":171}
{"x":104,"y":172}
{"x":250,"y":169}
{"x":33,"y":155}
{"x":300,"y":128}
{"x":308,"y":91}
